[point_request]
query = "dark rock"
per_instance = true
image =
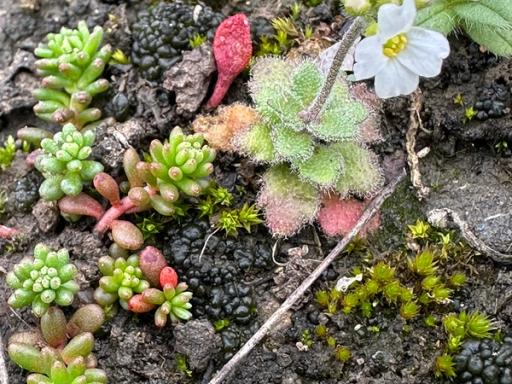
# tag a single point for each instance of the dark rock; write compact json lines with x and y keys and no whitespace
{"x":197,"y":340}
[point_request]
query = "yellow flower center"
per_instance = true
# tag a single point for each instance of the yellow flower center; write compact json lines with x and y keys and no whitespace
{"x":395,"y":45}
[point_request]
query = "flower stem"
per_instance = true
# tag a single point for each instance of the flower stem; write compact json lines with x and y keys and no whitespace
{"x":310,"y":113}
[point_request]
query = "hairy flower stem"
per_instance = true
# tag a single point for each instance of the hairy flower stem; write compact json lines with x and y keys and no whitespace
{"x":354,"y":31}
{"x":7,"y":232}
{"x":126,"y":205}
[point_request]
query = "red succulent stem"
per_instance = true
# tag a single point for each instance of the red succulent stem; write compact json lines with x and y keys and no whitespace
{"x":221,"y":88}
{"x":126,"y":205}
{"x":8,"y":232}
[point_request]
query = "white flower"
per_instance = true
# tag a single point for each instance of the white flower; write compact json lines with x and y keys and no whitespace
{"x":357,"y":7}
{"x":400,"y":53}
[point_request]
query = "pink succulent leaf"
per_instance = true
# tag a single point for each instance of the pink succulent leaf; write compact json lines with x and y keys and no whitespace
{"x":82,"y":204}
{"x":338,"y":216}
{"x":232,"y":48}
{"x":7,"y":232}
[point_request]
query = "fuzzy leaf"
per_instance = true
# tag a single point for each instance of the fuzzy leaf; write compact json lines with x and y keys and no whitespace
{"x":257,"y":143}
{"x":498,"y":41}
{"x":290,"y":145}
{"x":361,"y":173}
{"x":491,"y":13}
{"x":307,"y":81}
{"x":438,"y":16}
{"x":323,"y":168}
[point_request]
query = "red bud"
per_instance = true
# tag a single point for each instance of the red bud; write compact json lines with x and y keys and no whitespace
{"x":138,"y":305}
{"x":152,"y":262}
{"x":168,"y":276}
{"x":107,"y":187}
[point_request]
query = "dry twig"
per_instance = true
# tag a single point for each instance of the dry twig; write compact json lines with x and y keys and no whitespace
{"x":410,"y":143}
{"x":277,"y":316}
{"x":4,"y":379}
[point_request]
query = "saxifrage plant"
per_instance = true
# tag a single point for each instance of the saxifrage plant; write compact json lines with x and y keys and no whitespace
{"x":307,"y":158}
{"x":47,"y":278}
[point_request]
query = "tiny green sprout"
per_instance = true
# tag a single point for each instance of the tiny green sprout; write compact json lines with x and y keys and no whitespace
{"x":371,"y":287}
{"x":150,"y":227}
{"x":441,"y":294}
{"x":342,"y":353}
{"x":374,"y":329}
{"x":477,"y":324}
{"x":220,"y":196}
{"x":357,"y":270}
{"x":25,"y":146}
{"x":424,"y":263}
{"x":406,"y":295}
{"x":206,"y":207}
{"x":64,"y":163}
{"x":419,"y":230}
{"x":308,"y":32}
{"x":229,"y":222}
{"x":469,"y":113}
{"x":220,"y":324}
{"x":122,"y":278}
{"x":182,"y":365}
{"x":7,"y":153}
{"x":445,"y":238}
{"x":268,"y":47}
{"x":501,"y":147}
{"x":458,"y":99}
{"x":430,"y":282}
{"x":45,"y":279}
{"x":332,"y":308}
{"x":119,"y":57}
{"x":197,"y":40}
{"x":322,"y":298}
{"x":284,"y":27}
{"x":248,"y":216}
{"x":334,"y":294}
{"x":458,"y":279}
{"x":312,"y":3}
{"x":409,"y":310}
{"x":453,"y":343}
{"x":453,"y":325}
{"x":321,"y":331}
{"x":382,"y":272}
{"x":350,"y":301}
{"x":444,"y":366}
{"x":430,"y":321}
{"x":295,"y":10}
{"x":306,"y":339}
{"x":424,"y":298}
{"x":366,"y":309}
{"x":330,"y":341}
{"x":392,"y":291}
{"x":282,"y":39}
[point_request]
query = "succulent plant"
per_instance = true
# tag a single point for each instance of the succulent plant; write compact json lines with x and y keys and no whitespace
{"x":47,"y":278}
{"x":121,"y":279}
{"x":64,"y":163}
{"x":172,"y":300}
{"x":60,"y":353}
{"x":328,"y":154}
{"x":71,"y":63}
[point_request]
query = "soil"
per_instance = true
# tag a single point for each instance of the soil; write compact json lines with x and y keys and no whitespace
{"x":464,"y":168}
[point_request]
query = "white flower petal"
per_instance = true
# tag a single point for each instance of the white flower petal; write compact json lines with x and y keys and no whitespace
{"x":369,"y":57}
{"x":425,"y":52}
{"x":395,"y":19}
{"x":395,"y":80}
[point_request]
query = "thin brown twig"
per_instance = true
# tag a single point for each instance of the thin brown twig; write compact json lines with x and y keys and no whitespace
{"x":4,"y":378}
{"x":276,"y":317}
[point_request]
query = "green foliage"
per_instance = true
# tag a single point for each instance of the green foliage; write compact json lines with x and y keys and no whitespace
{"x":46,"y":279}
{"x":121,"y":278}
{"x":419,"y":230}
{"x":306,"y":339}
{"x":150,"y":226}
{"x":220,"y":324}
{"x":71,"y":63}
{"x":488,"y":22}
{"x":444,"y":366}
{"x":342,"y":353}
{"x":64,"y":163}
{"x":197,"y":40}
{"x":179,"y":166}
{"x":465,"y":325}
{"x":215,"y":196}
{"x":7,"y":153}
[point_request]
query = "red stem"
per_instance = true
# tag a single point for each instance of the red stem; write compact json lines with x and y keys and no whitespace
{"x":113,"y":213}
{"x":221,"y":88}
{"x":8,"y":232}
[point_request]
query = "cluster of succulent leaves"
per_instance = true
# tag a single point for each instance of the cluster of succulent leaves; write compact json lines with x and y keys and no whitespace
{"x":47,"y":278}
{"x":64,"y":163}
{"x":384,"y":283}
{"x":306,"y":158}
{"x":121,"y":279}
{"x":61,"y":352}
{"x":71,"y":63}
{"x":180,"y":165}
{"x":172,"y":301}
{"x":216,"y":206}
{"x":459,"y":328}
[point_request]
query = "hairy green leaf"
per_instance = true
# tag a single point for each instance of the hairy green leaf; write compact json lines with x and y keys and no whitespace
{"x":498,"y":41}
{"x":439,"y":17}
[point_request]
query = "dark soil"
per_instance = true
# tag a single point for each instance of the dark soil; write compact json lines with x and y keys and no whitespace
{"x":238,"y":278}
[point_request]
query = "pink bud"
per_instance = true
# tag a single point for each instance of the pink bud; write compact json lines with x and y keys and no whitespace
{"x":168,"y":276}
{"x":107,"y":187}
{"x":82,"y":204}
{"x":127,"y":235}
{"x":152,"y":262}
{"x":138,"y":305}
